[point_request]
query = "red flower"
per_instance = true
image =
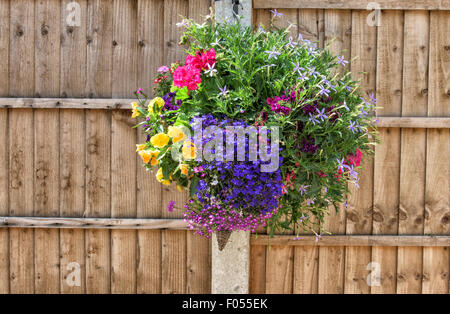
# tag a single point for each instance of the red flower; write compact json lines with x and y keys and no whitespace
{"x":355,"y":160}
{"x":187,"y":75}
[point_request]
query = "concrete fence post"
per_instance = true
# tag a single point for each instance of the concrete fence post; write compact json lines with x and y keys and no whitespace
{"x":230,"y":267}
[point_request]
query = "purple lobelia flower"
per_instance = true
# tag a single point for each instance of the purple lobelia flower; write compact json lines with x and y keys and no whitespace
{"x":170,"y":206}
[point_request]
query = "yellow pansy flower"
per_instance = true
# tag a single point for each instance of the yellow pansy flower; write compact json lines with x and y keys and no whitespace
{"x":159,"y":140}
{"x":158,"y":101}
{"x":188,"y":150}
{"x":149,"y":155}
{"x":155,"y":154}
{"x":160,"y":177}
{"x":135,"y":111}
{"x":176,"y":134}
{"x":146,"y":155}
{"x":184,"y":169}
{"x":140,"y":147}
{"x":179,"y":188}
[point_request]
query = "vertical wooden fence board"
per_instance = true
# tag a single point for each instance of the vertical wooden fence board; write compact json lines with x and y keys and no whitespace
{"x":331,"y":259}
{"x":98,"y":144}
{"x":261,"y":17}
{"x":173,"y":242}
{"x":150,"y":57}
{"x":46,"y":145}
{"x":360,"y":201}
{"x":4,"y":202}
{"x":306,"y":258}
{"x":279,"y":269}
{"x":4,"y":153}
{"x":198,"y":248}
{"x":198,"y":9}
{"x":306,"y":267}
{"x":98,"y":200}
{"x":413,"y":145}
{"x":387,"y":154}
{"x":72,"y":148}
{"x":308,"y":24}
{"x":280,"y":259}
{"x":21,"y":194}
{"x":288,"y":19}
{"x":123,"y":158}
{"x":436,"y":261}
{"x":99,"y":48}
{"x":257,"y":284}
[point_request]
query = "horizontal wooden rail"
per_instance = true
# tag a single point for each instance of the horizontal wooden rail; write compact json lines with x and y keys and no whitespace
{"x":353,"y":4}
{"x":353,"y":240}
{"x":105,"y":103}
{"x":91,"y":223}
{"x":414,"y":122}
{"x":66,"y":103}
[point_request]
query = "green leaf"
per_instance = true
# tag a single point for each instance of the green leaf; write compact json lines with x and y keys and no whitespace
{"x":193,"y":186}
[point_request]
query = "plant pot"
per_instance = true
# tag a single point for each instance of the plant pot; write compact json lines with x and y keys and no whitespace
{"x":222,"y":238}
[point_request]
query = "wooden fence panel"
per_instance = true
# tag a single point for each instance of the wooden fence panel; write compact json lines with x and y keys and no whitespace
{"x":149,"y":191}
{"x":403,"y":63}
{"x":4,"y":153}
{"x":360,"y":202}
{"x":21,"y":138}
{"x":98,"y":144}
{"x":81,"y":162}
{"x":437,"y":197}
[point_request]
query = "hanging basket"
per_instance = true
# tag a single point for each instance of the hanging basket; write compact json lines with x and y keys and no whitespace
{"x":222,"y":238}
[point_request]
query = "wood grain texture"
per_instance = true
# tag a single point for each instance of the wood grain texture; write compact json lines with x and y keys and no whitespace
{"x":4,"y":202}
{"x":72,"y":145}
{"x":337,"y":26}
{"x":98,"y":199}
{"x":98,"y":144}
{"x":387,"y":154}
{"x":306,"y":267}
{"x":257,"y":281}
{"x":354,"y":240}
{"x":149,"y":197}
{"x":389,"y":91}
{"x":436,"y":261}
{"x":21,"y":192}
{"x":198,"y":249}
{"x":91,"y":223}
{"x":352,"y":4}
{"x":306,"y":259}
{"x":68,"y":103}
{"x":261,"y":18}
{"x":46,"y":148}
{"x":123,"y":158}
{"x":360,"y":201}
{"x":173,"y":242}
{"x":4,"y":153}
{"x":279,"y":269}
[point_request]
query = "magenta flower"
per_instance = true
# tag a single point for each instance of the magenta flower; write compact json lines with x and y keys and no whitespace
{"x":170,"y":206}
{"x":163,"y":69}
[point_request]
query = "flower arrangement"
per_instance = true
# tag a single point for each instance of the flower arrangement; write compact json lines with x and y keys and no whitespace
{"x":266,"y":82}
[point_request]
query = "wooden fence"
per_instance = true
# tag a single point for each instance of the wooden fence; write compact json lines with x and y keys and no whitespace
{"x":66,"y":161}
{"x":68,"y":154}
{"x":405,"y":190}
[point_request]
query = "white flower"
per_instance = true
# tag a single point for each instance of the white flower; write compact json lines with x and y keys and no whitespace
{"x":211,"y":70}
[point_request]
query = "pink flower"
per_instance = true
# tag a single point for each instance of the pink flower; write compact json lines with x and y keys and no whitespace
{"x":187,"y":75}
{"x":170,"y":206}
{"x":355,"y":160}
{"x":201,"y":60}
{"x":163,"y":69}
